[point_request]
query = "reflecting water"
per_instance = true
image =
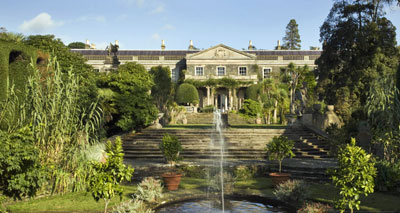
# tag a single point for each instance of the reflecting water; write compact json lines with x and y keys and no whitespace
{"x":214,"y":206}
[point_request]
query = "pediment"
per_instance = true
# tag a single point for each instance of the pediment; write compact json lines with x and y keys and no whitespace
{"x":221,"y":52}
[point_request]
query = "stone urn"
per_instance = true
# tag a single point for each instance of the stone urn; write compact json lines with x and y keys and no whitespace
{"x":330,"y":108}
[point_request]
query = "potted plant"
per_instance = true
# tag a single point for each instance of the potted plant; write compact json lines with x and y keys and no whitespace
{"x":279,"y":148}
{"x":171,"y":147}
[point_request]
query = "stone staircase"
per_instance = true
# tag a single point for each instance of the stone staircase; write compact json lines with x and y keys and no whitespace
{"x":240,"y":143}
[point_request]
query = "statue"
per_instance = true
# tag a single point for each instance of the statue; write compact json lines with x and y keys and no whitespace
{"x":112,"y":51}
{"x":301,"y":97}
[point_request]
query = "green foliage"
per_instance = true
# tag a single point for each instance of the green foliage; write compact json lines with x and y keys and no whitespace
{"x":279,"y":148}
{"x":107,"y":176}
{"x":149,"y":190}
{"x":388,"y":176}
{"x":193,"y":171}
{"x":243,"y":173}
{"x":251,"y":108}
{"x":223,"y":82}
{"x":228,"y":182}
{"x":170,"y":146}
{"x":252,"y":92}
{"x":20,"y":169}
{"x":354,"y":176}
{"x":132,"y":206}
{"x":315,"y":208}
{"x":162,"y":88}
{"x":338,"y":138}
{"x":187,"y":93}
{"x":76,"y":45}
{"x":359,"y":46}
{"x":292,"y":41}
{"x":207,"y":109}
{"x":10,"y":36}
{"x":131,"y":84}
{"x":15,"y":72}
{"x":292,"y":191}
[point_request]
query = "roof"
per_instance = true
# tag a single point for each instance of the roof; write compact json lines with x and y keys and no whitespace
{"x":184,"y":52}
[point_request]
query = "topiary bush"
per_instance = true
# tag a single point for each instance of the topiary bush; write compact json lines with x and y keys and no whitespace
{"x":187,"y":93}
{"x":279,"y":148}
{"x":294,"y":191}
{"x":170,"y":146}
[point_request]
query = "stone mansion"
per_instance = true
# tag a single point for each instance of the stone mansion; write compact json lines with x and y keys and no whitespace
{"x":217,"y":62}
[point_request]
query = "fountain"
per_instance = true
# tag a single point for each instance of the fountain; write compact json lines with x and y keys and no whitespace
{"x":219,"y":125}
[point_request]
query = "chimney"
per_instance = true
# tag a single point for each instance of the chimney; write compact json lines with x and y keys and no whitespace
{"x":191,"y":47}
{"x":87,"y":44}
{"x":250,"y":45}
{"x":279,"y":45}
{"x":162,"y":45}
{"x":92,"y":46}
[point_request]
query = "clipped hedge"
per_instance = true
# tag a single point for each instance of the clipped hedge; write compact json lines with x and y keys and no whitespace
{"x":15,"y":72}
{"x":187,"y":93}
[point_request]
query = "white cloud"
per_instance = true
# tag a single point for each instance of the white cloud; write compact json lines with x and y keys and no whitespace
{"x":168,"y":27}
{"x":100,"y":19}
{"x":158,"y":9}
{"x":156,"y":37}
{"x":41,"y":23}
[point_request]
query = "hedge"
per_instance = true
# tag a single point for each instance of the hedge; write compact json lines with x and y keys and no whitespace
{"x":17,"y":71}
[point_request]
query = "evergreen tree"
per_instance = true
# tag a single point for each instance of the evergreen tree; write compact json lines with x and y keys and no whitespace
{"x":359,"y":46}
{"x":291,"y":41}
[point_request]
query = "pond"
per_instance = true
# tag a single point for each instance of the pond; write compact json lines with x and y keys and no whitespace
{"x":231,"y":205}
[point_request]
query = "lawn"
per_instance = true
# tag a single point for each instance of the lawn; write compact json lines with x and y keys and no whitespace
{"x":83,"y":201}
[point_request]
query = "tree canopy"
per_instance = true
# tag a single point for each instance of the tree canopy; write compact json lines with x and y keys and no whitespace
{"x":292,"y":41}
{"x":76,"y":45}
{"x":162,"y":88}
{"x":359,"y":45}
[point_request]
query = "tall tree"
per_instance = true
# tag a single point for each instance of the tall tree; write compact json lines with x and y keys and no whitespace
{"x":291,"y":41}
{"x":162,"y":89}
{"x":359,"y":46}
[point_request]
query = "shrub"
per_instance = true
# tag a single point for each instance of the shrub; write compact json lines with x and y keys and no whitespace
{"x":149,"y":190}
{"x":291,"y":191}
{"x":279,"y":148}
{"x":315,"y":208}
{"x":354,"y":176}
{"x":252,"y":92}
{"x":20,"y":170}
{"x":229,"y":181}
{"x":187,"y":93}
{"x":207,"y":109}
{"x":243,"y":173}
{"x":132,"y":206}
{"x":251,"y":108}
{"x":194,"y":171}
{"x":337,"y":139}
{"x":170,"y":146}
{"x":107,"y":176}
{"x":388,"y":178}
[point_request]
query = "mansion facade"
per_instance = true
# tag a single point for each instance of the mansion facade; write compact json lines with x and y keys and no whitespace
{"x":217,"y":62}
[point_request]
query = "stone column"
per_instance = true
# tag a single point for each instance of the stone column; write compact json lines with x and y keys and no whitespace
{"x":208,"y":96}
{"x":226,"y":102}
{"x":230,"y":99}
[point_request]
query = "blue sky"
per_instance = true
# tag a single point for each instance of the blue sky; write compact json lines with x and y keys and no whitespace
{"x":141,"y":24}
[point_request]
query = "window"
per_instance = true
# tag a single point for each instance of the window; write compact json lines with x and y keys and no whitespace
{"x":242,"y":70}
{"x":199,"y":71}
{"x":220,"y":71}
{"x":267,"y":72}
